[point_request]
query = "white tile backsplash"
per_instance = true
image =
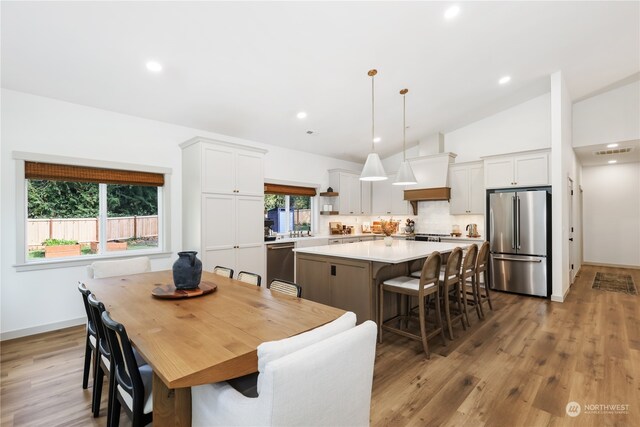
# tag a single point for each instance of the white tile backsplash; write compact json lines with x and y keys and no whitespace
{"x":433,"y":217}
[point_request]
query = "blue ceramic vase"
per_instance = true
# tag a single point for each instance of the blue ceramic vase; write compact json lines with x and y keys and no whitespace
{"x":187,"y":270}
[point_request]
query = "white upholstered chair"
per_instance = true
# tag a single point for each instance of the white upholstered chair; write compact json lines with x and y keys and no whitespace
{"x":120,"y":267}
{"x":319,"y":378}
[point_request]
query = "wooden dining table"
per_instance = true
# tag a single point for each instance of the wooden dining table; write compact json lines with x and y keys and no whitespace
{"x":203,"y":339}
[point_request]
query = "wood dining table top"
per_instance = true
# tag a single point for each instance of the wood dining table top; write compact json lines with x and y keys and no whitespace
{"x":206,"y":339}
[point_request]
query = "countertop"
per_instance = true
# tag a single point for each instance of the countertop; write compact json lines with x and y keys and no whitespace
{"x":327,"y":236}
{"x":376,"y":251}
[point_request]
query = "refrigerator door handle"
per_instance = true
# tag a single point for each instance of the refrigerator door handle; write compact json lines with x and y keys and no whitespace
{"x":516,"y":259}
{"x":518,"y":222}
{"x":513,"y":222}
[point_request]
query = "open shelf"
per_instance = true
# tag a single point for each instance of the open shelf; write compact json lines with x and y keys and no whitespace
{"x":330,"y":194}
{"x":329,"y":212}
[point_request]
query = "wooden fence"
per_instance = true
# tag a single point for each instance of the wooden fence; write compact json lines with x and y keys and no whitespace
{"x":86,"y":230}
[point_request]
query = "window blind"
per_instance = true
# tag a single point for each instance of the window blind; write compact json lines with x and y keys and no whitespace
{"x":290,"y":190}
{"x":54,"y":172}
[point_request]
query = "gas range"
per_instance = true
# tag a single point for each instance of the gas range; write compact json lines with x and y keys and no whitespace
{"x":429,"y":237}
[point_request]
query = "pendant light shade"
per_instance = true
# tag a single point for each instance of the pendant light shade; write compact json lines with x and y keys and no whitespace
{"x":405,"y":173}
{"x":373,"y":170}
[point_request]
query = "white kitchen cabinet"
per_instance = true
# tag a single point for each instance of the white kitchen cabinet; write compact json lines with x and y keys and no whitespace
{"x":355,"y":195}
{"x":231,"y":170}
{"x":517,"y":170}
{"x":388,"y":199}
{"x":467,"y":188}
{"x":223,"y":204}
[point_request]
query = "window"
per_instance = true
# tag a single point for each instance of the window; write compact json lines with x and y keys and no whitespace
{"x":289,"y":207}
{"x":75,"y":211}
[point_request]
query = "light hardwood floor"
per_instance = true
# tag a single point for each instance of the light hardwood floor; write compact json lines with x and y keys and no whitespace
{"x":518,"y":367}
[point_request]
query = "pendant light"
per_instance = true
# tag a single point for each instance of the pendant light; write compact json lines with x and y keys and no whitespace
{"x":405,"y":173}
{"x":373,"y":170}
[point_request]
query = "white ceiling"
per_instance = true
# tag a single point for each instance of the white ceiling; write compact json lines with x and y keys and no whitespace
{"x":245,"y":69}
{"x":587,"y":155}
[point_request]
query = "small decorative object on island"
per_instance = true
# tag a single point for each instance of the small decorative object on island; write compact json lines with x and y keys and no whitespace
{"x":410,"y":227}
{"x":187,"y":270}
{"x":388,"y":228}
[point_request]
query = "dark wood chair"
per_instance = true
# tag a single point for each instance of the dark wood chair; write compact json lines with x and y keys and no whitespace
{"x":223,"y":271}
{"x":285,"y":287}
{"x":452,"y":288}
{"x":90,"y":353}
{"x":102,"y":364}
{"x":132,"y":383}
{"x":422,"y":289}
{"x":251,"y":278}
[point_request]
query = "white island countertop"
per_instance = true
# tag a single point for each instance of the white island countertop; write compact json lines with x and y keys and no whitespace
{"x":376,"y":251}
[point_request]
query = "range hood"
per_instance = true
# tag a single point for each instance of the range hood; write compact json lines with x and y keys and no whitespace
{"x":432,"y":174}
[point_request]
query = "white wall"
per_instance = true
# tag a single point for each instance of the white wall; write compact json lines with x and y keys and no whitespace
{"x":42,"y":300}
{"x":611,"y":217}
{"x":613,"y":116}
{"x":526,"y":126}
{"x":564,"y":165}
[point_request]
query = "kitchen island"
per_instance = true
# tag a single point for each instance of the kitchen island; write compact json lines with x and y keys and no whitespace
{"x":347,"y":276}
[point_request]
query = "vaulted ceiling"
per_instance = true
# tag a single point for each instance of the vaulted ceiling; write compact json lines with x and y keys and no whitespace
{"x":246,"y":68}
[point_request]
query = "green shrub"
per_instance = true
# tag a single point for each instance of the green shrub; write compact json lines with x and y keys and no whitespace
{"x":58,"y":242}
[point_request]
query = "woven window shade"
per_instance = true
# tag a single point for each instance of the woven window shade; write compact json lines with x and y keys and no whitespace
{"x":290,"y":190}
{"x":53,"y":172}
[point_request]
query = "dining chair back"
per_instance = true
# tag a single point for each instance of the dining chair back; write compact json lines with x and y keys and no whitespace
{"x":133,"y":383}
{"x":223,"y":271}
{"x":91,"y":339}
{"x":102,"y":365}
{"x":285,"y":287}
{"x":251,"y":278}
{"x":121,"y":267}
{"x":327,"y":383}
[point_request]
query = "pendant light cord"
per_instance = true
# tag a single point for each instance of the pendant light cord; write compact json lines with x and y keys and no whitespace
{"x":403,"y":92}
{"x":373,"y":120}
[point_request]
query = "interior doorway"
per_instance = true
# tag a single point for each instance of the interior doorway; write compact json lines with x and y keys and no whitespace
{"x":572,"y":252}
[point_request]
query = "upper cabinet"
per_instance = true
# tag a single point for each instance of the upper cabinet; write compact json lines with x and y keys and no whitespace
{"x":388,"y":199}
{"x":517,"y":170}
{"x":467,"y":188}
{"x":230,"y":170}
{"x":355,"y":195}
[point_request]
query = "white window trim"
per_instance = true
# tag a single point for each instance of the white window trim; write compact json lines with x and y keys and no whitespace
{"x":164,"y":213}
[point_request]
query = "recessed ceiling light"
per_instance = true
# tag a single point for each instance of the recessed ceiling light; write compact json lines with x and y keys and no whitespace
{"x":504,"y":80}
{"x":612,"y":145}
{"x":377,"y":139}
{"x":154,"y":67}
{"x":612,"y":162}
{"x":451,"y":12}
{"x":301,"y":115}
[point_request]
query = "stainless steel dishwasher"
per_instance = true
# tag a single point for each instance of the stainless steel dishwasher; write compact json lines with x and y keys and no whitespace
{"x":280,"y":261}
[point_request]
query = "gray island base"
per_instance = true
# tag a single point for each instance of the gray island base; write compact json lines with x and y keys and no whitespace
{"x":347,"y":276}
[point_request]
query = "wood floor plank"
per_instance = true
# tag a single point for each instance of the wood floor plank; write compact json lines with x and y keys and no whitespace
{"x":518,"y":367}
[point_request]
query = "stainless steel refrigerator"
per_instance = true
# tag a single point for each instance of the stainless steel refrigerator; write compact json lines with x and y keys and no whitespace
{"x":519,"y":224}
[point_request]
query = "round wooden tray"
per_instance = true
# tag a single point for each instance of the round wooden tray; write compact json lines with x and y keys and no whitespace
{"x":170,"y":291}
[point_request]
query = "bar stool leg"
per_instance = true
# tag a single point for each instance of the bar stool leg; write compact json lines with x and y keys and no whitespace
{"x":423,"y":326}
{"x":447,"y":311}
{"x":380,"y":312}
{"x":465,"y":312}
{"x":439,"y":316}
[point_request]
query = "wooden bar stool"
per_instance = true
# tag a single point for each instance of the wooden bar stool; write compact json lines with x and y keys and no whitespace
{"x":482,"y":271}
{"x":452,"y":287}
{"x":420,"y":288}
{"x":468,"y":274}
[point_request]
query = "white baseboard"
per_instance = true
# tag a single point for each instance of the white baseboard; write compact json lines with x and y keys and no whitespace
{"x":561,"y":298}
{"x":18,"y":333}
{"x":601,"y":264}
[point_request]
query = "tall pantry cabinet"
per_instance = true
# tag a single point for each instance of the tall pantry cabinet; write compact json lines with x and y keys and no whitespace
{"x":223,"y":204}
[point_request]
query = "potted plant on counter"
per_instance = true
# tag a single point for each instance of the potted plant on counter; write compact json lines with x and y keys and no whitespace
{"x":57,"y":248}
{"x":388,"y":228}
